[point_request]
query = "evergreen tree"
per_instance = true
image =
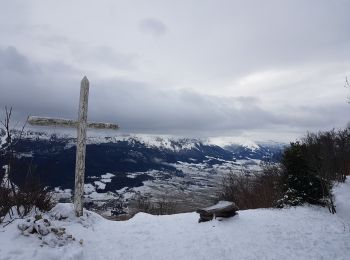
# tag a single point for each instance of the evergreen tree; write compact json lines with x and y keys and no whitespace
{"x":302,"y":183}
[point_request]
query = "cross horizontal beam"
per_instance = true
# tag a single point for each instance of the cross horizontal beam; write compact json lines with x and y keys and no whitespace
{"x":61,"y":122}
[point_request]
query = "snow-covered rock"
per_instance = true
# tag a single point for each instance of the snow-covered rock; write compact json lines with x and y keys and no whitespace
{"x":43,"y":229}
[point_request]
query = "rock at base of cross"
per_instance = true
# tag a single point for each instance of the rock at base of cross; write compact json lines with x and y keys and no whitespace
{"x":223,"y":209}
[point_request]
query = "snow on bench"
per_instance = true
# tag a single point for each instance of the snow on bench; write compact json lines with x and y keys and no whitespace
{"x":223,"y":209}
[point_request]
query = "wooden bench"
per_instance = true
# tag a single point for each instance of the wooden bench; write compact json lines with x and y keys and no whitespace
{"x":223,"y":209}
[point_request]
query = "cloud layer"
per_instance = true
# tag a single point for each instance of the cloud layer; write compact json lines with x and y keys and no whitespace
{"x":153,"y":26}
{"x":219,"y":68}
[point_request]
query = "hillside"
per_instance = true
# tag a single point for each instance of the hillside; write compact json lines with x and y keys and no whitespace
{"x":306,"y":232}
{"x":118,"y":167}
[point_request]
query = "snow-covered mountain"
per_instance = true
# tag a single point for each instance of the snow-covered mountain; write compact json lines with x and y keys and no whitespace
{"x":127,"y":164}
{"x":227,"y":141}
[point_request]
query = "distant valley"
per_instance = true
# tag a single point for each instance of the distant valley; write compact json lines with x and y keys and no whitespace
{"x":118,"y":167}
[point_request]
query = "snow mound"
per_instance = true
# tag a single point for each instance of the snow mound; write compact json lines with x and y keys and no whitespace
{"x":307,"y":232}
{"x":65,"y":212}
{"x":342,"y":196}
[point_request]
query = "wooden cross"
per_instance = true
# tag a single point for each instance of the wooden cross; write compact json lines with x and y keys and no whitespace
{"x":81,"y":126}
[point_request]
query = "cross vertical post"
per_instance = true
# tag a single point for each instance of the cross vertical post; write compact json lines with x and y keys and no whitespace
{"x":81,"y":148}
{"x":81,"y":125}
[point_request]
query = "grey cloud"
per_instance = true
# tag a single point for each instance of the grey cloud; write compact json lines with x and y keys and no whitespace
{"x":140,"y":108}
{"x":54,"y":41}
{"x":153,"y":26}
{"x":104,"y":54}
{"x":136,"y":106}
{"x":320,"y":117}
{"x":12,"y":61}
{"x":239,"y":38}
{"x":54,"y":91}
{"x":34,"y":88}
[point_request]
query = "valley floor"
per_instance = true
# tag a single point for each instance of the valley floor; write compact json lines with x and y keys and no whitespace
{"x":295,"y":233}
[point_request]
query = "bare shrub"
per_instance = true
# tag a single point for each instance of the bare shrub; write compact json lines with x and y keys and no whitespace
{"x":6,"y":202}
{"x":251,"y":190}
{"x":22,"y":199}
{"x":18,"y":200}
{"x":328,"y":153}
{"x":34,"y":195}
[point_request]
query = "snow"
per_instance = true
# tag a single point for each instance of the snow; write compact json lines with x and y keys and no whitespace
{"x":100,"y":185}
{"x":170,"y":142}
{"x":2,"y":139}
{"x":294,"y":233}
{"x":233,"y":140}
{"x":63,"y":194}
{"x":89,"y":188}
{"x":342,"y":196}
{"x":220,"y":204}
{"x":164,"y":141}
{"x":174,"y":143}
{"x":107,"y":176}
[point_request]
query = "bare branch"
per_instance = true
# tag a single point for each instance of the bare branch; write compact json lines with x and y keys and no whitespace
{"x":347,"y":85}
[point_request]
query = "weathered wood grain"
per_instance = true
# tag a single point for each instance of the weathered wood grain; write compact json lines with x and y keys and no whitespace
{"x":81,"y":148}
{"x":61,"y":122}
{"x":81,"y":126}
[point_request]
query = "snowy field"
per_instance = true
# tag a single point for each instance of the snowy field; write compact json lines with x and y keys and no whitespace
{"x":295,"y":233}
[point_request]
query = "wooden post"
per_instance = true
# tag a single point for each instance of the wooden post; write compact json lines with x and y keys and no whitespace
{"x":81,"y":148}
{"x":81,"y":126}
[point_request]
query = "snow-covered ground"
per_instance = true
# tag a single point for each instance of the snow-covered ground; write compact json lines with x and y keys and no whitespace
{"x":296,"y":233}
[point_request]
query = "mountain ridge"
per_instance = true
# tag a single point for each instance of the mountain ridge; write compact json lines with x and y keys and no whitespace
{"x":136,"y":163}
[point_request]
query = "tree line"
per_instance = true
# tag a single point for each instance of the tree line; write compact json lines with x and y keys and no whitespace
{"x":307,"y":172}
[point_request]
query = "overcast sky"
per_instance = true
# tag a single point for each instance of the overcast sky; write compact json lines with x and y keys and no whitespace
{"x":262,"y":69}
